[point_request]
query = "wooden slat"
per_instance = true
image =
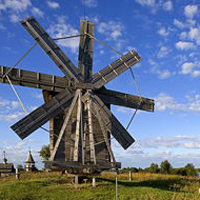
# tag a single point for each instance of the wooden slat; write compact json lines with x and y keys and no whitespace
{"x":41,"y":115}
{"x":115,"y":69}
{"x":126,"y":100}
{"x":111,"y":123}
{"x":52,"y":49}
{"x":33,"y":79}
{"x":85,"y":59}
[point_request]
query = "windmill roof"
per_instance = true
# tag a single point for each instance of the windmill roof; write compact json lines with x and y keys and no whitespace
{"x":30,"y":158}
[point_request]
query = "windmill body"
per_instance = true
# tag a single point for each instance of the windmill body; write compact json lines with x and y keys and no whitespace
{"x":77,"y":105}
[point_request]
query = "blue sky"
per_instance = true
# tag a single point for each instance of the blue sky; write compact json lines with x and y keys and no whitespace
{"x":166,"y":34}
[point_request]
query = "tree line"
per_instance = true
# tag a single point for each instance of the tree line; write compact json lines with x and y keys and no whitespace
{"x":164,"y":168}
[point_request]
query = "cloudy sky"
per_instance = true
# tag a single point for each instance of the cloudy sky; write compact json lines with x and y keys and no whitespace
{"x":166,"y":34}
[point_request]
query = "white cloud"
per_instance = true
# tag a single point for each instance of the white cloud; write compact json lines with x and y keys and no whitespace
{"x":154,"y":5}
{"x":190,"y":11}
{"x":163,"y":32}
{"x":8,"y":105}
{"x":53,"y":4}
{"x":185,"y":45}
{"x":37,"y":12}
{"x":62,"y":29}
{"x":165,"y":102}
{"x":90,"y":3}
{"x":155,"y":69}
{"x":111,"y":29}
{"x":14,"y":18}
{"x":194,"y":34}
{"x":183,"y":35}
{"x":168,"y":6}
{"x":179,"y":141}
{"x":191,"y":68}
{"x":16,"y":5}
{"x":187,"y":67}
{"x":11,"y":117}
{"x":164,"y":51}
{"x":146,"y":2}
{"x":178,"y":24}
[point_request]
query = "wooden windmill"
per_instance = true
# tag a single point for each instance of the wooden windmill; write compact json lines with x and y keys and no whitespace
{"x":77,"y":105}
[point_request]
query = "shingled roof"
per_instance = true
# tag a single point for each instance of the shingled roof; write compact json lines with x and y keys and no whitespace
{"x":30,"y":158}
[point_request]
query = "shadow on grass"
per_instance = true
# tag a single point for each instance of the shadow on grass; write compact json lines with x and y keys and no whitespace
{"x":170,"y":185}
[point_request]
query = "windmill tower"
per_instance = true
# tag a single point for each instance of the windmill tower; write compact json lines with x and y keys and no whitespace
{"x":77,"y":105}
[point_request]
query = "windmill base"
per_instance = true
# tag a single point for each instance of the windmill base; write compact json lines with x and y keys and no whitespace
{"x":73,"y":167}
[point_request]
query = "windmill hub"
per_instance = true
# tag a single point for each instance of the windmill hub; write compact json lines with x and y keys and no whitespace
{"x":81,"y":123}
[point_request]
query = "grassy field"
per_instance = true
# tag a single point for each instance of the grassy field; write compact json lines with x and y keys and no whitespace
{"x":53,"y":186}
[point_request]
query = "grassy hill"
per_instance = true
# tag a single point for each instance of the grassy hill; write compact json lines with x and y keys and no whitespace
{"x":53,"y":186}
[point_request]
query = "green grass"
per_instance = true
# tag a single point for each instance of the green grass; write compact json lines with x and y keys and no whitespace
{"x":52,"y":186}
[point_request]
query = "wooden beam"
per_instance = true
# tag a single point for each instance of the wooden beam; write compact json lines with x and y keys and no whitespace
{"x":126,"y":100}
{"x":105,"y":135}
{"x":41,"y":115}
{"x":111,"y":123}
{"x":115,"y":69}
{"x":64,"y":126}
{"x":85,"y":58}
{"x":78,"y":126}
{"x":33,"y":79}
{"x":90,"y":126}
{"x":52,"y":49}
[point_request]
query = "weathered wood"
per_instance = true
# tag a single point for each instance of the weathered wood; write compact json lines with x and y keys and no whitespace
{"x":78,"y":126}
{"x":85,"y":59}
{"x":90,"y":126}
{"x":33,"y":79}
{"x":126,"y":100}
{"x":115,"y":69}
{"x":64,"y":125}
{"x":108,"y":144}
{"x":77,"y":165}
{"x":111,"y":123}
{"x":41,"y":115}
{"x":52,"y":49}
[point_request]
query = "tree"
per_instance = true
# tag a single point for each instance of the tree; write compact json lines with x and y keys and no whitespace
{"x":45,"y":152}
{"x":153,"y":168}
{"x":165,"y":167}
{"x":190,"y":170}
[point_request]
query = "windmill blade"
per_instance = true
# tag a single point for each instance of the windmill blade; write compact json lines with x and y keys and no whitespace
{"x":111,"y":123}
{"x":33,"y":79}
{"x":52,"y":49}
{"x":126,"y":100}
{"x":115,"y":69}
{"x":41,"y":115}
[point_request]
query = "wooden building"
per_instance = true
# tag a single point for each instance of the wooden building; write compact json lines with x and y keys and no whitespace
{"x":30,"y":163}
{"x":6,"y":169}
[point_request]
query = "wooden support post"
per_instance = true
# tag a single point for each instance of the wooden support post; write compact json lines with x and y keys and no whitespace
{"x":17,"y":174}
{"x":76,"y":182}
{"x":77,"y":134}
{"x":91,"y":136}
{"x":106,"y":138}
{"x":116,"y":187}
{"x":64,"y":126}
{"x":130,"y":176}
{"x":93,"y":182}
